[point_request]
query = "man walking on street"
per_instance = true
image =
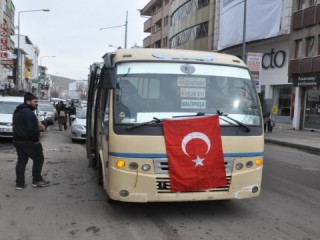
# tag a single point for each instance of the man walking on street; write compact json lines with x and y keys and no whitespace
{"x":62,"y":115}
{"x":72,"y":111}
{"x":26,"y":139}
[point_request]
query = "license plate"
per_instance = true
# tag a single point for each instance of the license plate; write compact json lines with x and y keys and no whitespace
{"x":5,"y":130}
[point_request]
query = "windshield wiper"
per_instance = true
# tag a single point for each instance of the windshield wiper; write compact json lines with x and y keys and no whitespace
{"x":192,"y":115}
{"x":235,"y":120}
{"x":155,"y":120}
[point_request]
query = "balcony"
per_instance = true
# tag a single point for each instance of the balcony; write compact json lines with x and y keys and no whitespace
{"x":147,"y":42}
{"x":309,"y":16}
{"x":147,"y":26}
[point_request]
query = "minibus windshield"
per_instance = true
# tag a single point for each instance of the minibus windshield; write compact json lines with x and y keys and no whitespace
{"x":165,"y":90}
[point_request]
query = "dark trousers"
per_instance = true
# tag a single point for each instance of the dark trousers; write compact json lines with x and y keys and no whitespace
{"x":26,"y":150}
{"x":70,"y":121}
{"x":64,"y":125}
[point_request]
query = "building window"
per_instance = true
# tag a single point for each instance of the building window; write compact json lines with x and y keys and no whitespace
{"x":165,"y":41}
{"x":190,"y":34}
{"x":165,"y":20}
{"x":298,"y":48}
{"x":187,"y":8}
{"x":312,"y":110}
{"x":157,"y":44}
{"x":302,"y":4}
{"x":310,"y":49}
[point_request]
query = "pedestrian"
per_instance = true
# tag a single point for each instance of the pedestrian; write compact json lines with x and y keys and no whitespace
{"x":72,"y":110}
{"x":26,"y":139}
{"x":62,"y":115}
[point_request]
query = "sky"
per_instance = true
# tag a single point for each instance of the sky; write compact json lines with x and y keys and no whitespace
{"x":71,"y":31}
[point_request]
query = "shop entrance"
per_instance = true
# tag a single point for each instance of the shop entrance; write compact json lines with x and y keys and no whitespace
{"x":312,"y":108}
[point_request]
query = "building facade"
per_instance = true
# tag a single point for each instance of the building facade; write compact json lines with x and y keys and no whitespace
{"x":288,"y":41}
{"x":276,"y":91}
{"x":304,"y":65}
{"x":28,"y":64}
{"x":157,"y":24}
{"x":7,"y":55}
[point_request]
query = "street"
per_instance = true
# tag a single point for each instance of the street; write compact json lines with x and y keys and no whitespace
{"x":75,"y":207}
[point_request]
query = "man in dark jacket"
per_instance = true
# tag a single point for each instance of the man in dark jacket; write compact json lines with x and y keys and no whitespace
{"x":26,"y":139}
{"x":62,"y":115}
{"x":72,"y":110}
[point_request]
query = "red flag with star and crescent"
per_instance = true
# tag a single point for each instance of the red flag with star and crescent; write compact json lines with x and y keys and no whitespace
{"x":195,"y":156}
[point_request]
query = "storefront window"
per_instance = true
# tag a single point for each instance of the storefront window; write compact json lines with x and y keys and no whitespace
{"x":312,"y":112}
{"x":281,"y":109}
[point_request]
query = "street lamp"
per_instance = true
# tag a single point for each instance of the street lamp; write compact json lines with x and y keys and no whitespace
{"x":19,"y":68}
{"x":244,"y":31}
{"x":126,"y":30}
{"x":45,"y":57}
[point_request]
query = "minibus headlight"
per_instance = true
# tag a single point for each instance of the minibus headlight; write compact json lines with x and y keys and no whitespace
{"x":133,"y":165}
{"x":259,"y":162}
{"x":145,"y":167}
{"x":120,"y":164}
{"x":239,"y":166}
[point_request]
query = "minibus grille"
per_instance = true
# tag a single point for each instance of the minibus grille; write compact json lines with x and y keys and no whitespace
{"x":163,"y":186}
{"x":163,"y":183}
{"x":161,"y":165}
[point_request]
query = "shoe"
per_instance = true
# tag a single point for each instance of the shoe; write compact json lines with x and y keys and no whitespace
{"x":21,"y":186}
{"x":42,"y":183}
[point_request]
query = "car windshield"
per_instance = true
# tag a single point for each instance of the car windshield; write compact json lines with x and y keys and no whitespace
{"x":82,"y":114}
{"x":163,"y":90}
{"x":8,"y":107}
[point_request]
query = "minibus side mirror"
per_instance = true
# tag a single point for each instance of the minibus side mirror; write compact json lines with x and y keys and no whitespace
{"x":109,"y":78}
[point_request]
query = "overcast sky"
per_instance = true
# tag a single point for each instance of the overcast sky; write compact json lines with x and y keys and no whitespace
{"x":71,"y":31}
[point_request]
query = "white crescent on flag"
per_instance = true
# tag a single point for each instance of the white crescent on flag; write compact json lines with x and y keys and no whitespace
{"x":194,"y":135}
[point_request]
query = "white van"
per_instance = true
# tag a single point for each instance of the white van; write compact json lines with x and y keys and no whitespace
{"x":7,"y":107}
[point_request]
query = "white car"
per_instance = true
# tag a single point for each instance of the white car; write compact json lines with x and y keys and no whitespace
{"x":78,"y":126}
{"x":83,"y":104}
{"x":46,"y":111}
{"x":7,"y":107}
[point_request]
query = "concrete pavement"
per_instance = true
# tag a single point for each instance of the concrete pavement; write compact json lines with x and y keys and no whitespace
{"x":283,"y":134}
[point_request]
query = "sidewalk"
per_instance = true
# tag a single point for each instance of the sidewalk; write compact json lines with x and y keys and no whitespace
{"x":283,"y":134}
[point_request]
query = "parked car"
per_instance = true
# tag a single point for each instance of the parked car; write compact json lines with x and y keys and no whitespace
{"x":47,"y":102}
{"x":83,"y":103}
{"x":55,"y":101}
{"x":47,"y":111}
{"x":78,"y":126}
{"x":7,"y":107}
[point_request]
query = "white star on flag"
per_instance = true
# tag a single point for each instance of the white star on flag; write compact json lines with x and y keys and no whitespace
{"x":198,"y":161}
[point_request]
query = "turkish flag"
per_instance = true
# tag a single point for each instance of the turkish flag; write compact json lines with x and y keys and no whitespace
{"x":195,"y":155}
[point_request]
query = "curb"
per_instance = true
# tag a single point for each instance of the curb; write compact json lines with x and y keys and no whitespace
{"x":293,"y":145}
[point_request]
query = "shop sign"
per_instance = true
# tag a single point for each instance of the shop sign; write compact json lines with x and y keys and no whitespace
{"x":254,"y":64}
{"x":7,"y":62}
{"x":306,"y":81}
{"x":274,"y":59}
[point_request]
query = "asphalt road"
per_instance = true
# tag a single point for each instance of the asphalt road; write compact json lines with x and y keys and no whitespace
{"x":74,"y":207}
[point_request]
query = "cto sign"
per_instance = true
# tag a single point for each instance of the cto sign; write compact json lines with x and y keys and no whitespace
{"x":274,"y":59}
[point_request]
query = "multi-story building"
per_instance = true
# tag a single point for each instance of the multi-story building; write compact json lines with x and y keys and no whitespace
{"x":304,"y":65}
{"x":28,"y":63}
{"x":269,"y":36}
{"x":6,"y":44}
{"x":157,"y":24}
{"x":192,"y":24}
{"x":286,"y":37}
